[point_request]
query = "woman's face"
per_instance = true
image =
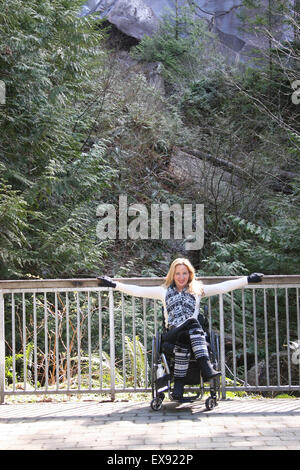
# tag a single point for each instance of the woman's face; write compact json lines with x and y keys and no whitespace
{"x":181,"y":276}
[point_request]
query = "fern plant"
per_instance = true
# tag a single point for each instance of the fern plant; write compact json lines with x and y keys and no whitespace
{"x":136,"y":359}
{"x":48,"y":58}
{"x":13,"y":223}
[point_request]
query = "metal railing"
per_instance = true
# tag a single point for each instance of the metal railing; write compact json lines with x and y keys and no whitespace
{"x":72,"y":336}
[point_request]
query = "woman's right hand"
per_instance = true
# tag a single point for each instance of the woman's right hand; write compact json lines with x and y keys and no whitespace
{"x":255,"y":277}
{"x":106,"y":281}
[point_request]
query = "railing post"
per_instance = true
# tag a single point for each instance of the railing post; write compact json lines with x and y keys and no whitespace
{"x":222,"y":347}
{"x":112,"y":344}
{"x":2,"y":349}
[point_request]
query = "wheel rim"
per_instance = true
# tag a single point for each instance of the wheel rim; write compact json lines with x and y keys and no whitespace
{"x":156,"y":404}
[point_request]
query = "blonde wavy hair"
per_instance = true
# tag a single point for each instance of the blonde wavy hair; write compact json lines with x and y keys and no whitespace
{"x":194,"y":286}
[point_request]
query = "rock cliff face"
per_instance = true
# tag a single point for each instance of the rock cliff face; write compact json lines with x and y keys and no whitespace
{"x":138,"y":17}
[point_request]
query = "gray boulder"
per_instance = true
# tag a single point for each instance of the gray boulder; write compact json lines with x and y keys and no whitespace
{"x":133,"y":17}
{"x":288,"y":371}
{"x":139,"y":17}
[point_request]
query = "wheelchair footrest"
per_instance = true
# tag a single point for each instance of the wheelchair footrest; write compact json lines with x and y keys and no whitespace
{"x":187,"y":399}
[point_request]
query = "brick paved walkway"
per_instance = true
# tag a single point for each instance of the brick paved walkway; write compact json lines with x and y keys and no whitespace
{"x":233,"y":424}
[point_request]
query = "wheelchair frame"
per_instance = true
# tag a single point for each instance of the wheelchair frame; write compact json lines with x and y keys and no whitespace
{"x":162,"y":374}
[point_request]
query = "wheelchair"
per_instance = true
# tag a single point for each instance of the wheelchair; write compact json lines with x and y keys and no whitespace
{"x":162,"y":369}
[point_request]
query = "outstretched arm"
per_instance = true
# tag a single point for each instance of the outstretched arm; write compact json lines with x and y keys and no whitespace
{"x":150,"y":292}
{"x":227,"y":286}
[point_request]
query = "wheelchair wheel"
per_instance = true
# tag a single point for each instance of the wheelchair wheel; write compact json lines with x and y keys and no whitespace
{"x":156,"y":403}
{"x":210,"y":403}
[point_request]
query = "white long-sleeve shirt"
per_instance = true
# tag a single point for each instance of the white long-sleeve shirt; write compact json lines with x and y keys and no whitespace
{"x":159,"y":292}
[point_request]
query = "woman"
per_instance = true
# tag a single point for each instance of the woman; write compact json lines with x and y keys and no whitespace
{"x":181,"y":294}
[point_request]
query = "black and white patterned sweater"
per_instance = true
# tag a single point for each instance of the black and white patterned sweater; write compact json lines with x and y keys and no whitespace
{"x":179,"y":306}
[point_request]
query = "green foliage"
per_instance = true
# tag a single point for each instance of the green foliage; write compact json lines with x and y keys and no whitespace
{"x":90,"y":368}
{"x":178,"y":45}
{"x":18,"y":362}
{"x":246,"y":227}
{"x":136,"y":362}
{"x":48,"y":56}
{"x":9,"y":366}
{"x":43,"y":44}
{"x":13,"y":223}
{"x":281,"y":254}
{"x":227,"y":259}
{"x":271,"y":247}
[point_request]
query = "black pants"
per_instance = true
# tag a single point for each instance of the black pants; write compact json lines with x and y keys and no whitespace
{"x":188,"y":335}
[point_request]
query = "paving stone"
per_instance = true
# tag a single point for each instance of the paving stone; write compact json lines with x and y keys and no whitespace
{"x":234,"y":424}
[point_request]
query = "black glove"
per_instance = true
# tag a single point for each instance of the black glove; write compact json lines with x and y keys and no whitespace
{"x":106,"y":281}
{"x":255,"y":277}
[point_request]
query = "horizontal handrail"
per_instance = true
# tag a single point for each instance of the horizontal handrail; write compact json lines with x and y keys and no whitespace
{"x":270,"y":280}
